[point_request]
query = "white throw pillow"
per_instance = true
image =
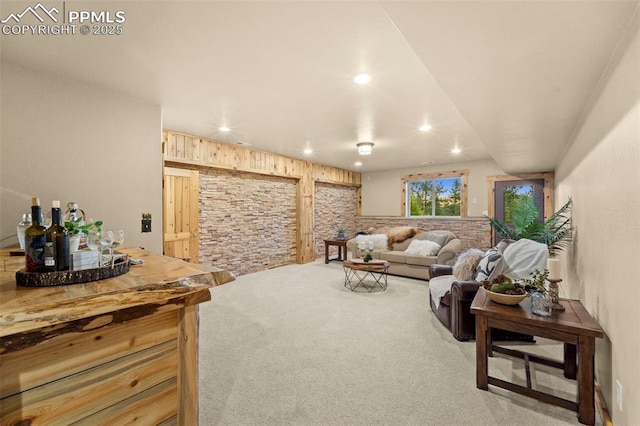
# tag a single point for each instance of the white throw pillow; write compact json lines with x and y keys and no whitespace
{"x":379,"y":241}
{"x":423,"y":248}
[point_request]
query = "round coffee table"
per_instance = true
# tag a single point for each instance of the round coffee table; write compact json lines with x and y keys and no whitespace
{"x":357,"y":272}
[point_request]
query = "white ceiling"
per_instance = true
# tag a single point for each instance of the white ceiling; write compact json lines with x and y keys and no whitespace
{"x":507,"y":80}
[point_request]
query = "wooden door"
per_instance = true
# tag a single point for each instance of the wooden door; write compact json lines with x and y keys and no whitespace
{"x":180,"y":213}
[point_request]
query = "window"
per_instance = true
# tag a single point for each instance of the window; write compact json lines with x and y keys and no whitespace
{"x":435,"y":194}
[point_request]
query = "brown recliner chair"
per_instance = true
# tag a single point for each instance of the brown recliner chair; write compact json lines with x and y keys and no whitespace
{"x":455,"y":309}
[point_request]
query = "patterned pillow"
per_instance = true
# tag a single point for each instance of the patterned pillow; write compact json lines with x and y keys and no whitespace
{"x":488,"y":266}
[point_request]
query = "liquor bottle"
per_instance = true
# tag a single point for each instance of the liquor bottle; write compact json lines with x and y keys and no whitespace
{"x":56,"y":251}
{"x":34,"y":240}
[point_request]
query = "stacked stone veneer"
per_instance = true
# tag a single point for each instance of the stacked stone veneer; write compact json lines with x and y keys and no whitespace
{"x":247,"y":221}
{"x":335,"y":207}
{"x":472,"y":232}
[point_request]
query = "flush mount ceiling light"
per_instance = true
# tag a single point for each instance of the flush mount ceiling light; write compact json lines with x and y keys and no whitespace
{"x":425,"y":128}
{"x":308,"y":151}
{"x":456,"y":150}
{"x":362,"y":78}
{"x":365,"y":148}
{"x":224,"y":129}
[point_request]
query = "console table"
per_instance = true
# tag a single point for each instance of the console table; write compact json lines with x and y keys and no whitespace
{"x":574,"y":327}
{"x":115,"y":351}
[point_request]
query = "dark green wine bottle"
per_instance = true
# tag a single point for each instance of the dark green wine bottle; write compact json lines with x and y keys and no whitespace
{"x":34,"y":240}
{"x":56,"y":250}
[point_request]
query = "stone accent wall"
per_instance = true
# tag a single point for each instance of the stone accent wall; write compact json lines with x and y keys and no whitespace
{"x":472,"y":232}
{"x":247,"y":221}
{"x":335,"y":207}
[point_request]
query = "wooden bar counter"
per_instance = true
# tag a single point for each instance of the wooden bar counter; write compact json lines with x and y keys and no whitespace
{"x":114,"y":351}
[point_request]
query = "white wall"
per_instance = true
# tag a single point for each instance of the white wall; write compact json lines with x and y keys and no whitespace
{"x":382,"y":191}
{"x":602,"y":173}
{"x":71,"y":141}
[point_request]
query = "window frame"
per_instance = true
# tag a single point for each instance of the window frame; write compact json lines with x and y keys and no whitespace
{"x":464,"y":178}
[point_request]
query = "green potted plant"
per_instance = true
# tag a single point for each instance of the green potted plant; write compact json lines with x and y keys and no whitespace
{"x":342,"y":233}
{"x":556,"y":232}
{"x":77,"y":228}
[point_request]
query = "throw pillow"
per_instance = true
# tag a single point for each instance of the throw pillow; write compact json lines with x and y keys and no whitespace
{"x":438,"y":238}
{"x":423,"y":248}
{"x":466,"y":264}
{"x":488,"y":267}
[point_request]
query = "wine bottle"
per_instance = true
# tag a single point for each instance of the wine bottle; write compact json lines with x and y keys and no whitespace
{"x":34,"y":240}
{"x":56,"y":252}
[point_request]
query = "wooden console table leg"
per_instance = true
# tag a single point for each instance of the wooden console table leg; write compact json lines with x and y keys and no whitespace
{"x":482,"y":343}
{"x":586,"y":401}
{"x":570,"y":365}
{"x":326,"y":253}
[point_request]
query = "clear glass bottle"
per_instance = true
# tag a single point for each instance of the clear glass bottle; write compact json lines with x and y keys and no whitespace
{"x":541,"y":304}
{"x":74,"y":213}
{"x":22,"y":227}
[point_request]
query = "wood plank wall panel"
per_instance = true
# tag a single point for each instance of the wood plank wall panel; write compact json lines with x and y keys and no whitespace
{"x":191,"y":150}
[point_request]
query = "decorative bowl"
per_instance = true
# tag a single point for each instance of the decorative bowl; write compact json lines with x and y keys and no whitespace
{"x":505,"y":299}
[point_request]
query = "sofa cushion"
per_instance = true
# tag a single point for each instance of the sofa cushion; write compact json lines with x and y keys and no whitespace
{"x":465,"y":267}
{"x":440,"y":237}
{"x":489,"y":265}
{"x":394,"y":256}
{"x":423,"y":248}
{"x":420,"y":260}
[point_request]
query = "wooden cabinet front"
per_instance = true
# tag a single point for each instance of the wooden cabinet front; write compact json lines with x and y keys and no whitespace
{"x":119,"y":351}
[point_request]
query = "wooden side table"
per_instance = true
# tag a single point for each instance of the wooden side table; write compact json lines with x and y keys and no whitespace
{"x":574,"y":327}
{"x":342,"y":249}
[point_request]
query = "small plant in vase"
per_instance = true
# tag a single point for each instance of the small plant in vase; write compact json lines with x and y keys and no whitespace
{"x":541,"y":303}
{"x":77,"y":229}
{"x":342,"y":233}
{"x":368,"y":257}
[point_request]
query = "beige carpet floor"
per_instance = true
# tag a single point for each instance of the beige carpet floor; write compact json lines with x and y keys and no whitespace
{"x":292,"y":346}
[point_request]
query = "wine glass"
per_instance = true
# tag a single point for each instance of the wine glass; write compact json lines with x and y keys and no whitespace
{"x":94,"y":242}
{"x":106,"y":241}
{"x":118,"y":239}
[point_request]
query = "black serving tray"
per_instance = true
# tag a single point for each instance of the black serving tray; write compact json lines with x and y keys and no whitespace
{"x":49,"y":279}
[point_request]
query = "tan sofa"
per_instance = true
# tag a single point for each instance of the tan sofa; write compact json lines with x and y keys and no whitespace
{"x":414,"y":266}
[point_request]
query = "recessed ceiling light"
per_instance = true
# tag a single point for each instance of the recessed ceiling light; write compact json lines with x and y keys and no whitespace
{"x":224,"y":129}
{"x":357,"y":163}
{"x":425,"y":128}
{"x":308,"y":151}
{"x":362,"y":78}
{"x":456,"y":150}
